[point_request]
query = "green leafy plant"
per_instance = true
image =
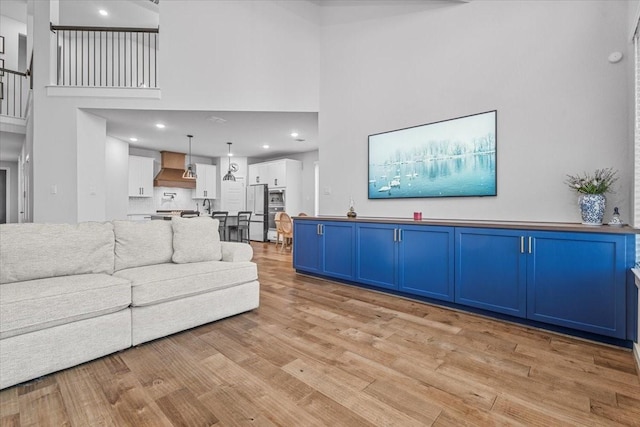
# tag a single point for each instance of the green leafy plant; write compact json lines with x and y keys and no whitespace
{"x":598,"y":183}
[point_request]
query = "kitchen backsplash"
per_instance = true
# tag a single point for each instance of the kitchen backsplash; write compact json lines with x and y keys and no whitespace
{"x":164,"y":198}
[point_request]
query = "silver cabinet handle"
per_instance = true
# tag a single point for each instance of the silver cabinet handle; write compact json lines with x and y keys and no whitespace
{"x":521,"y":244}
{"x":321,"y":229}
{"x":530,"y":245}
{"x":399,"y":234}
{"x":395,"y":234}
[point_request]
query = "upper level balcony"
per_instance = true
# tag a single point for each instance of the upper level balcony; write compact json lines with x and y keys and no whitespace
{"x":111,"y":61}
{"x":14,"y":94}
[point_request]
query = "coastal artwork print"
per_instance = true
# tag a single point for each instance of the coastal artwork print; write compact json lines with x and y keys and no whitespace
{"x":451,"y":158}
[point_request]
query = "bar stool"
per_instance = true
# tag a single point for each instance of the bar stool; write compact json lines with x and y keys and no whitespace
{"x":222,"y":217}
{"x":241,"y":226}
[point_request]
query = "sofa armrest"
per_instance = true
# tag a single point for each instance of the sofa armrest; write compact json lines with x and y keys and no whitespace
{"x":236,"y":252}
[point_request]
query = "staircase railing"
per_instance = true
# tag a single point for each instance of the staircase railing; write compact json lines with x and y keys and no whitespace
{"x":14,"y":89}
{"x":107,"y":56}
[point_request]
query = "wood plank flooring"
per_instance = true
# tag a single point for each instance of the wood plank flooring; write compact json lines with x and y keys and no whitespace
{"x":318,"y":353}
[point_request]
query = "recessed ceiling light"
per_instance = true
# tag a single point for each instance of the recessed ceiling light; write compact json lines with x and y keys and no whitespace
{"x":103,"y":12}
{"x":265,"y":146}
{"x":133,"y":139}
{"x":160,"y":125}
{"x":294,"y":134}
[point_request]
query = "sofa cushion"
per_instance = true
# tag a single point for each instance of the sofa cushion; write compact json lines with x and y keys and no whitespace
{"x":141,"y":243}
{"x":236,"y":251}
{"x":38,"y":304}
{"x":35,"y":251}
{"x":196,"y":239}
{"x":166,"y":282}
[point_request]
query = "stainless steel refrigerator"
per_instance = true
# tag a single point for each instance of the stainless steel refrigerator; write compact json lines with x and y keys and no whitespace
{"x":257,"y":203}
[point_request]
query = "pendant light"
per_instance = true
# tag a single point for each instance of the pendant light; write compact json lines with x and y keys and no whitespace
{"x":229,"y":176}
{"x":189,"y":173}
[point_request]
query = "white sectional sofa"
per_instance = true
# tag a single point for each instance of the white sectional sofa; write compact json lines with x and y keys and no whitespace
{"x":73,"y":293}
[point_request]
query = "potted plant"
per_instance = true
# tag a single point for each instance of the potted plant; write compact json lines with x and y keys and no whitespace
{"x":591,"y":189}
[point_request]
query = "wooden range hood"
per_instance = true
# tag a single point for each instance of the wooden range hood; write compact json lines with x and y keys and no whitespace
{"x":171,"y":170}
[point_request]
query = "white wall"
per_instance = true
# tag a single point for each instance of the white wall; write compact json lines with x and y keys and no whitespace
{"x":562,"y":107}
{"x":12,"y":175}
{"x":91,"y":167}
{"x":232,"y":55}
{"x":634,"y":17}
{"x":253,"y":55}
{"x":117,"y":178}
{"x":10,"y":28}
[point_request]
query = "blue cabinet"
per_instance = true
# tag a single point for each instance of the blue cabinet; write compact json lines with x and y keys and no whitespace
{"x":570,"y":279}
{"x":414,"y":259}
{"x":377,"y":255}
{"x":307,"y":246}
{"x":491,"y":270}
{"x":324,"y":247}
{"x":426,"y":261}
{"x":578,"y":280}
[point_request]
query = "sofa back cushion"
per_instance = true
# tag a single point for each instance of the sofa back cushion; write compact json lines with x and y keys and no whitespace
{"x":36,"y":251}
{"x":141,"y":243}
{"x":196,"y":239}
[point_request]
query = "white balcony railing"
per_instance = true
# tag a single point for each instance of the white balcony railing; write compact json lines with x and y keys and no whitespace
{"x":14,"y":90}
{"x":107,"y":56}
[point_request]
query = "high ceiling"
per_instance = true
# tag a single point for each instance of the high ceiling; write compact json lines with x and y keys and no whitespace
{"x":248,"y":131}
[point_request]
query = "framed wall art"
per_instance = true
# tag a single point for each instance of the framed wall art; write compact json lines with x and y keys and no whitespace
{"x":449,"y":158}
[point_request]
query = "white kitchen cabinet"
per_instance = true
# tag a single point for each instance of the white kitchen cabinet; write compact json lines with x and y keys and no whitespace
{"x":277,"y":173}
{"x":284,"y":174}
{"x":206,"y":181}
{"x":140,"y":176}
{"x":258,"y":174}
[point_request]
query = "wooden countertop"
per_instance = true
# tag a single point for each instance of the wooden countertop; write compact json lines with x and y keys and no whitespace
{"x":520,"y":225}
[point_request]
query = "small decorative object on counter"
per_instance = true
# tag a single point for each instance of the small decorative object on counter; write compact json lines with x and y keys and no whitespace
{"x":351,"y":213}
{"x":417,"y":216}
{"x":615,"y":220}
{"x":591,"y":189}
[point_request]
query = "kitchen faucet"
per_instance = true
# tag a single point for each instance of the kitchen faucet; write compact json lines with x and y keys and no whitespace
{"x":208,"y":202}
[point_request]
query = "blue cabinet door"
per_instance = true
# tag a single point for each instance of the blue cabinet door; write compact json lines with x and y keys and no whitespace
{"x":376,"y":255}
{"x":578,"y":280}
{"x":307,"y":246}
{"x":324,"y":247}
{"x":338,"y":250}
{"x":425,"y":261}
{"x":491,"y":270}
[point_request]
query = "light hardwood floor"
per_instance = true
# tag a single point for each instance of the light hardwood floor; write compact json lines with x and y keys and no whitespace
{"x":317,"y":353}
